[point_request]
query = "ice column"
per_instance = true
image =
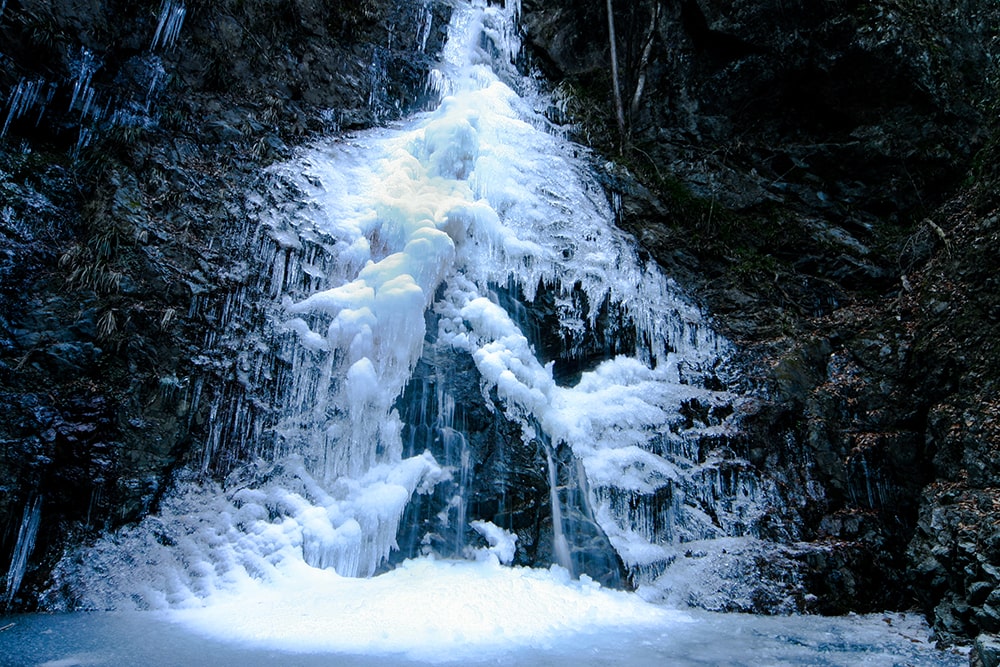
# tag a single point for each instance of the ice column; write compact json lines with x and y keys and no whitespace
{"x":23,"y":547}
{"x":168,"y":27}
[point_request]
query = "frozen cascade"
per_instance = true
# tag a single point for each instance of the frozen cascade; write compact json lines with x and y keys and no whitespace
{"x":437,"y":237}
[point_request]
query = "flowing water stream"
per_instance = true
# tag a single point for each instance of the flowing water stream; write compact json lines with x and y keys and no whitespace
{"x":449,"y":299}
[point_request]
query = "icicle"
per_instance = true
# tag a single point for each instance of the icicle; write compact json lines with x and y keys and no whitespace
{"x":21,"y":98}
{"x":513,"y":7}
{"x":88,"y":99}
{"x":23,"y":547}
{"x":616,"y":206}
{"x":168,"y":26}
{"x":45,"y":103}
{"x":426,"y":22}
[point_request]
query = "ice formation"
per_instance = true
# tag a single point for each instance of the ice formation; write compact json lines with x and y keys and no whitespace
{"x":459,"y":218}
{"x":168,"y":26}
{"x":25,"y":543}
{"x":435,"y":216}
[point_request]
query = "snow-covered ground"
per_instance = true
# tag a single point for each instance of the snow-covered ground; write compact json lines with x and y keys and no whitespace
{"x":459,"y":613}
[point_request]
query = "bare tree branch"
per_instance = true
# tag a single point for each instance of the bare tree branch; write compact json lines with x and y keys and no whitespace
{"x":647,"y":50}
{"x":612,"y":39}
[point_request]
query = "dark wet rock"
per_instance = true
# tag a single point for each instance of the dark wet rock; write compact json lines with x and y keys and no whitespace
{"x":986,"y":652}
{"x":802,"y":104}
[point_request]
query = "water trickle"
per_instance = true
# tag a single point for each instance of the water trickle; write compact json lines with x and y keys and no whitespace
{"x":560,"y":545}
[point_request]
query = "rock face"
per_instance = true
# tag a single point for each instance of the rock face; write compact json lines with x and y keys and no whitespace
{"x":956,"y":548}
{"x":805,"y":169}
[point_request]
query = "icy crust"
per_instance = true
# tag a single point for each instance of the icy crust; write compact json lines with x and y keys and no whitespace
{"x":729,"y":574}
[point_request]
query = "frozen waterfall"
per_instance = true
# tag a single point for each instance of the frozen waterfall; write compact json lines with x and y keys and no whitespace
{"x":462,"y":402}
{"x":432,"y":243}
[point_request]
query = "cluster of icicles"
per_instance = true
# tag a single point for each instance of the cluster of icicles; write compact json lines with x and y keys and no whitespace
{"x":36,"y":95}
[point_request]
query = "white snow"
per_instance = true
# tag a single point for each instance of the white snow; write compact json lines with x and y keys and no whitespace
{"x":424,"y":609}
{"x":503,"y":543}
